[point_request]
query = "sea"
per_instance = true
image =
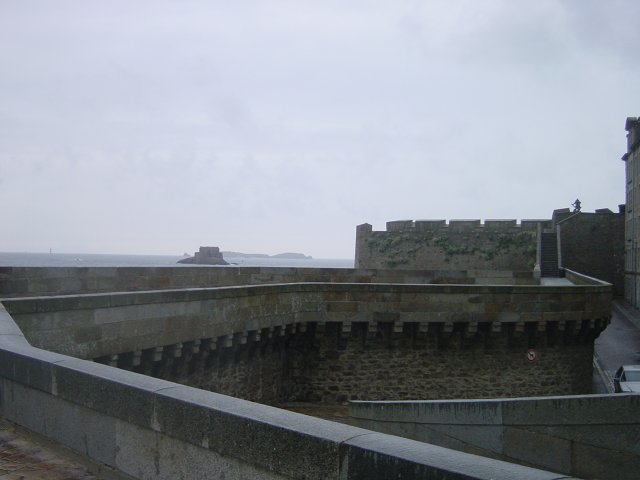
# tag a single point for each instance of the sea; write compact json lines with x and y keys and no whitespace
{"x":19,"y":259}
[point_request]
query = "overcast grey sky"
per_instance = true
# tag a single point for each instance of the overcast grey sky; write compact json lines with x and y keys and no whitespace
{"x":271,"y":126}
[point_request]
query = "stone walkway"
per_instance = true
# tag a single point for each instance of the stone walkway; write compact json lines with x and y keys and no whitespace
{"x":23,"y":456}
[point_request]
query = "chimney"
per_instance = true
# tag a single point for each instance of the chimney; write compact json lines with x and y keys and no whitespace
{"x":632,"y":126}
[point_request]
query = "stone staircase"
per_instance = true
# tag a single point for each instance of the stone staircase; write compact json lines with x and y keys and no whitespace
{"x":549,"y":255}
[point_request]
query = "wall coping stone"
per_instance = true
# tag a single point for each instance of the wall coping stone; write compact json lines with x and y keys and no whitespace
{"x":603,"y":428}
{"x":456,"y":225}
{"x":552,"y":410}
{"x":21,"y":305}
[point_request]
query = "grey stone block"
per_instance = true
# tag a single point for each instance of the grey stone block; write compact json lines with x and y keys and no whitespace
{"x":616,"y":437}
{"x":463,"y":425}
{"x":593,"y":462}
{"x":382,"y":456}
{"x":572,"y":410}
{"x":468,"y":412}
{"x":13,"y":339}
{"x":28,"y":365}
{"x":465,"y":438}
{"x":276,"y":440}
{"x":7,"y":324}
{"x":534,"y":448}
{"x":147,"y":454}
{"x":83,"y":430}
{"x":118,"y":393}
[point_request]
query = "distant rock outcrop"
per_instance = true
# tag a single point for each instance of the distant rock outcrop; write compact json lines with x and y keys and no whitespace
{"x":293,"y":255}
{"x":288,"y":255}
{"x":206,"y":256}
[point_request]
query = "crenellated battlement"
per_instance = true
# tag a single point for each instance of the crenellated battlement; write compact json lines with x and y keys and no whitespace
{"x":464,"y":244}
{"x":318,"y":328}
{"x":465,"y":225}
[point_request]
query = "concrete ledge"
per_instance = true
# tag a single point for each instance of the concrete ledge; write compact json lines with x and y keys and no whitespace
{"x":581,"y":279}
{"x":563,"y":434}
{"x":9,"y":331}
{"x":34,"y":281}
{"x":283,"y":442}
{"x":385,"y":456}
{"x":145,"y":427}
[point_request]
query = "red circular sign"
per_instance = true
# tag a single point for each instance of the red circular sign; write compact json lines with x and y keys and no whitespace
{"x":532,"y":355}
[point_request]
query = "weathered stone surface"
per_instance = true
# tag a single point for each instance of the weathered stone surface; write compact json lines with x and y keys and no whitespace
{"x":384,"y":456}
{"x":593,"y":244}
{"x":229,"y":338}
{"x":85,"y":431}
{"x":575,"y":435}
{"x":275,"y":439}
{"x":34,"y":281}
{"x":461,"y":244}
{"x":148,"y":454}
{"x":329,"y":342}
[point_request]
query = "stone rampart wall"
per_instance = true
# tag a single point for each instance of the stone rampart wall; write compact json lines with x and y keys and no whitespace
{"x":329,"y":342}
{"x":593,"y":244}
{"x":593,"y":436}
{"x":459,"y":244}
{"x":150,"y":428}
{"x":228,"y":338}
{"x":36,"y":281}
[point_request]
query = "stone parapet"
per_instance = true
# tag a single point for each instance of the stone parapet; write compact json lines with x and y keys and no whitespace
{"x":37,"y":281}
{"x":399,"y":225}
{"x":89,"y":326}
{"x":457,"y":225}
{"x":431,"y":327}
{"x":458,"y":244}
{"x":271,"y":342}
{"x":150,"y":428}
{"x":592,"y":436}
{"x":422,"y":225}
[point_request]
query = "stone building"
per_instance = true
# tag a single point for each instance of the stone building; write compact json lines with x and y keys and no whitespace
{"x":592,"y":243}
{"x":632,"y":218}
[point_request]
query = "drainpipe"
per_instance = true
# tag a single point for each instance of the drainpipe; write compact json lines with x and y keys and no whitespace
{"x":559,"y":247}
{"x":536,"y":268}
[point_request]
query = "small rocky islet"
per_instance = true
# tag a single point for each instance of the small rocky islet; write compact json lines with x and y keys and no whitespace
{"x":213,"y":256}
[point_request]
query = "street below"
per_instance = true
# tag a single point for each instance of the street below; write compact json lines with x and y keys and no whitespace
{"x":619,"y":344}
